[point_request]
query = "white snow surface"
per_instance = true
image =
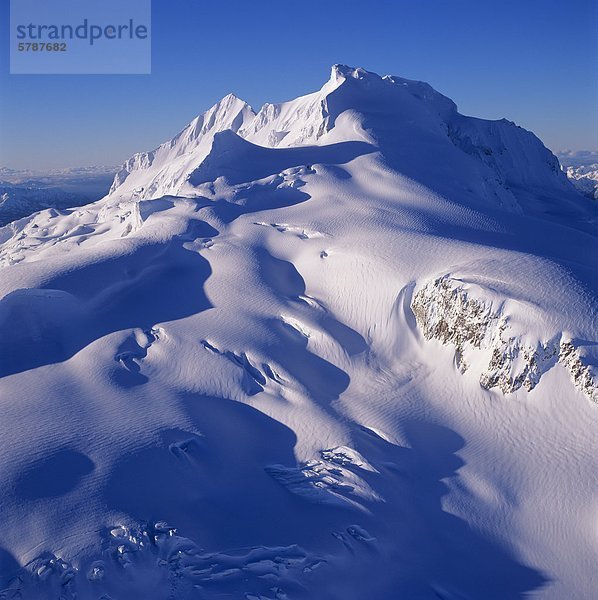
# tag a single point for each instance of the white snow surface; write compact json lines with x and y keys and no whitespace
{"x":341,"y":348}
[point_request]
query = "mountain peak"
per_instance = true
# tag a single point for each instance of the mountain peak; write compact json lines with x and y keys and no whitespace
{"x":402,"y":118}
{"x":391,"y":86}
{"x":165,"y":169}
{"x":230,"y":100}
{"x":339,"y":72}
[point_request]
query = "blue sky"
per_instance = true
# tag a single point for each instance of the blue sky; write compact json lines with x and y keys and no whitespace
{"x":532,"y":61}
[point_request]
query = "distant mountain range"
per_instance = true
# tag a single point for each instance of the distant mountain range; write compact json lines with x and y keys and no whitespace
{"x":23,"y":192}
{"x":582,"y":170}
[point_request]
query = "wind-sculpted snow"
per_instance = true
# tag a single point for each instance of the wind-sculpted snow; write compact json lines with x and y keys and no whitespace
{"x":339,"y":348}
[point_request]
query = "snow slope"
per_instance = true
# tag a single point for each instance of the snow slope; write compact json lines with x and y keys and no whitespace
{"x":343,"y":347}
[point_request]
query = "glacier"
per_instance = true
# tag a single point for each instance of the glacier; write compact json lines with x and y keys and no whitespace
{"x":344,"y":346}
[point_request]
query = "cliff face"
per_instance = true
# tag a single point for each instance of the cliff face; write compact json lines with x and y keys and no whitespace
{"x":452,"y":313}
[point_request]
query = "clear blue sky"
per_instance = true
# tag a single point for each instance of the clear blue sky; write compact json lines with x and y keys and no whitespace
{"x":532,"y":61}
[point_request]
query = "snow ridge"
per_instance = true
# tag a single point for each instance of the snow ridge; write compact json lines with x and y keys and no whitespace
{"x":348,"y":108}
{"x":163,"y":170}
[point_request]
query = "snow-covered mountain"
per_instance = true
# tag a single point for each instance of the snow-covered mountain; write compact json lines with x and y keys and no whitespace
{"x":23,"y":192}
{"x":343,"y":347}
{"x":18,"y":201}
{"x":354,"y":105}
{"x":582,"y":171}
